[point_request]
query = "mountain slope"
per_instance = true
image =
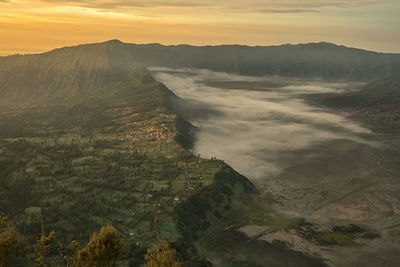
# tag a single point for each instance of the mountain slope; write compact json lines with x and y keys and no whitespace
{"x":66,"y":72}
{"x":383,"y":89}
{"x":304,"y":60}
{"x":377,"y":104}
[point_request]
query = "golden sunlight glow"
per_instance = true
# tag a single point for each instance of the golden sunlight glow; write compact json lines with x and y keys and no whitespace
{"x":37,"y":26}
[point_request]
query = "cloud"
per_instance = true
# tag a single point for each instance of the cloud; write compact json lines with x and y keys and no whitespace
{"x":286,"y":10}
{"x":264,"y":6}
{"x":289,"y":6}
{"x":111,"y":5}
{"x":256,"y":123}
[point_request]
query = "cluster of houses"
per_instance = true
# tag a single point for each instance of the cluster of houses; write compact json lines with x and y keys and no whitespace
{"x":160,"y":130}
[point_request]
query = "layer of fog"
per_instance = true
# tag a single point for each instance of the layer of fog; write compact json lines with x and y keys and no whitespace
{"x":257,"y":118}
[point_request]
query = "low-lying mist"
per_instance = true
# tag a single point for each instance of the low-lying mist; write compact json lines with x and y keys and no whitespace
{"x":256,"y":119}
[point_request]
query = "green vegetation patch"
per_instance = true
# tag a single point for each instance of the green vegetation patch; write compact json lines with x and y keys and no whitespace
{"x":343,"y":235}
{"x":334,"y":238}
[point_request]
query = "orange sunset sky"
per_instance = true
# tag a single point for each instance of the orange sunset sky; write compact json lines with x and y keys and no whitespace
{"x":38,"y":26}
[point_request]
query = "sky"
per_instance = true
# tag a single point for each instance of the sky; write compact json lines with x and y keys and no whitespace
{"x":40,"y":25}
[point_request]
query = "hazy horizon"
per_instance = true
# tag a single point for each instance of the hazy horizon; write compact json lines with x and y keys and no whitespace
{"x":365,"y":24}
{"x":177,"y":44}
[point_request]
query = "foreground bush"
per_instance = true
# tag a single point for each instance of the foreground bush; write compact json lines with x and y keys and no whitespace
{"x":161,"y":255}
{"x":103,"y":249}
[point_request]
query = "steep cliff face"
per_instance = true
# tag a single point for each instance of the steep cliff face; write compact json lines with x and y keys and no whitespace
{"x":67,"y":72}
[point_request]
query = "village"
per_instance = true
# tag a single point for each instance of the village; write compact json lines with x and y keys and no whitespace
{"x":130,"y":179}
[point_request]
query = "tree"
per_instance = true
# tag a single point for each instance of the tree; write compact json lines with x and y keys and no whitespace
{"x":3,"y":220}
{"x":43,"y":247}
{"x":12,"y":244}
{"x":103,"y":249}
{"x":161,"y":255}
{"x":72,"y":251}
{"x":19,"y":188}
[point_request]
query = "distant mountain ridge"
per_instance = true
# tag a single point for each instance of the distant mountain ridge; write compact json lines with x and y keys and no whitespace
{"x":306,"y":60}
{"x":22,"y":72}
